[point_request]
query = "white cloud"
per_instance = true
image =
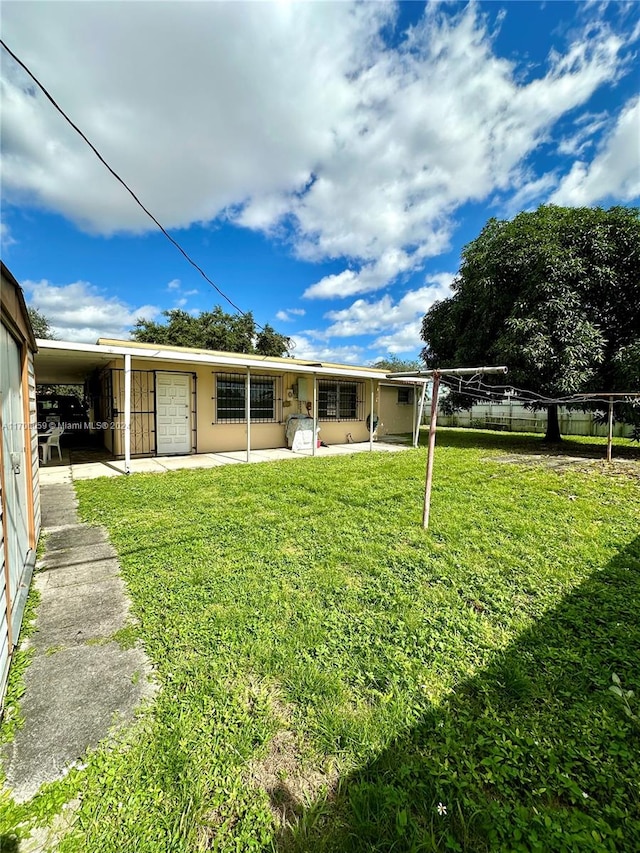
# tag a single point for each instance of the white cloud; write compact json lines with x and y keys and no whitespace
{"x":6,"y":239}
{"x":401,"y":320}
{"x":285,"y":316}
{"x":309,"y":350}
{"x":292,"y":120}
{"x":174,"y":284}
{"x":588,"y":125}
{"x":79,"y":311}
{"x":406,"y":339}
{"x":615,"y":169}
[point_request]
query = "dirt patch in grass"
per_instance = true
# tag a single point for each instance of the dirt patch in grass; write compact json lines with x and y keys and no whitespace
{"x":289,"y":781}
{"x":561,"y":462}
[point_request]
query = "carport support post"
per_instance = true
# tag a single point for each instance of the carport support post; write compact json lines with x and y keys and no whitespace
{"x":432,"y":446}
{"x":247,"y":394}
{"x":315,"y":415}
{"x":610,"y":430}
{"x":127,"y":413}
{"x":416,"y":432}
{"x":371,"y":419}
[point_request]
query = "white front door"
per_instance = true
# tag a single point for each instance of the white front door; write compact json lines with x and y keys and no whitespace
{"x":173,"y":413}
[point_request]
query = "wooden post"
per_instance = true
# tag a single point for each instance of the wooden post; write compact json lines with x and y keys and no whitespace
{"x":610,"y":430}
{"x":431,"y":448}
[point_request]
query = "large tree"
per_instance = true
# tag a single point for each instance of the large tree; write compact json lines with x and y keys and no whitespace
{"x":215,"y":330}
{"x":555,"y":295}
{"x":40,"y":325}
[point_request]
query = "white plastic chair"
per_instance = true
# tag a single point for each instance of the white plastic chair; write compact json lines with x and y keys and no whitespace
{"x":53,"y":440}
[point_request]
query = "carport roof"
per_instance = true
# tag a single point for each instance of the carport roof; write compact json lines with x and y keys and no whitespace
{"x":65,"y":362}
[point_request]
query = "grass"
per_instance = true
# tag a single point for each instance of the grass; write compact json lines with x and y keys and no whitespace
{"x":332,"y":674}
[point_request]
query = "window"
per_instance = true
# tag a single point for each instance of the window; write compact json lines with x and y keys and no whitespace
{"x":405,"y":396}
{"x":339,"y":401}
{"x":231,"y":398}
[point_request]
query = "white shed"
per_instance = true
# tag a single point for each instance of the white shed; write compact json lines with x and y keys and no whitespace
{"x":19,"y":484}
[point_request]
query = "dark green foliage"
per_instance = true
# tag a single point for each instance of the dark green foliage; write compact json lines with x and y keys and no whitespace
{"x":553,"y":294}
{"x":393,"y":364}
{"x":40,"y":325}
{"x":213,"y":330}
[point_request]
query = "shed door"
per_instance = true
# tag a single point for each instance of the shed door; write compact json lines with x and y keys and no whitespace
{"x":173,"y":413}
{"x":14,"y":460}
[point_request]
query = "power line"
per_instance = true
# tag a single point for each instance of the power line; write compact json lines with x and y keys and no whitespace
{"x":124,"y":183}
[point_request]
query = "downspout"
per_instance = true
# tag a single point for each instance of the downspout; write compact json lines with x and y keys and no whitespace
{"x":247,"y":394}
{"x":127,"y":414}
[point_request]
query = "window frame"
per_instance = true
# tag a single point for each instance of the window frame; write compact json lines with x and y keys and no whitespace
{"x":348,"y":402}
{"x":409,"y":391}
{"x":238,"y":414}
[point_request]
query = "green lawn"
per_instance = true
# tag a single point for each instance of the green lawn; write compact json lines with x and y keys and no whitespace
{"x":334,"y":678}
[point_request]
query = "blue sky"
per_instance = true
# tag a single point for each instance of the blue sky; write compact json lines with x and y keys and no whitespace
{"x":325,"y":163}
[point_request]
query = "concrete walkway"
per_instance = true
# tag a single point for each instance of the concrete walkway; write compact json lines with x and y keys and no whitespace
{"x":80,"y":681}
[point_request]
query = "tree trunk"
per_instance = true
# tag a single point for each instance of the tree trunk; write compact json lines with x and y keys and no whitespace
{"x":552,"y":435}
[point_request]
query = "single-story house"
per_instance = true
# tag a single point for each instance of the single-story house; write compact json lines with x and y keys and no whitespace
{"x":19,"y":485}
{"x":151,"y":400}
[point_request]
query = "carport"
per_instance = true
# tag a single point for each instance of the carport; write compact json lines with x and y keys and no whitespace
{"x":163,"y":401}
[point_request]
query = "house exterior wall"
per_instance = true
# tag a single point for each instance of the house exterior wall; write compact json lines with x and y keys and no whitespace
{"x":213,"y":436}
{"x":396,"y":417}
{"x":19,"y":484}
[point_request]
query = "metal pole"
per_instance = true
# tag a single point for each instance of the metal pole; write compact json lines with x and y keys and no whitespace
{"x":371,"y":419}
{"x":610,"y":431}
{"x":315,"y":415}
{"x":247,"y":393}
{"x":431,"y":448}
{"x":127,"y":414}
{"x":416,"y":435}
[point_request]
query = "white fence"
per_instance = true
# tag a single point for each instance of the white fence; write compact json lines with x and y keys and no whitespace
{"x":513,"y":417}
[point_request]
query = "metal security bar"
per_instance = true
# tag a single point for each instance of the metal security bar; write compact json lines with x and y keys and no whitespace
{"x":340,"y":401}
{"x":230,"y":398}
{"x":143,"y":412}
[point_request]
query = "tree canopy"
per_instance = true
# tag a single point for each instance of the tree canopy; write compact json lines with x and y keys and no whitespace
{"x":214,"y":330}
{"x":394,"y":364}
{"x":40,"y":324}
{"x":555,"y":295}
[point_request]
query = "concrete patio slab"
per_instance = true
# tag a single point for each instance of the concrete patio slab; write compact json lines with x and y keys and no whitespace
{"x":62,"y":474}
{"x":176,"y":463}
{"x":91,"y":470}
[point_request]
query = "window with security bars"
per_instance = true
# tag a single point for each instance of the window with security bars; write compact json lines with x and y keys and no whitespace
{"x":405,"y":396}
{"x":231,"y":396}
{"x":340,"y":401}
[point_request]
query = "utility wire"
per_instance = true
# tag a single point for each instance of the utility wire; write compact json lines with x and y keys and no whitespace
{"x":121,"y":181}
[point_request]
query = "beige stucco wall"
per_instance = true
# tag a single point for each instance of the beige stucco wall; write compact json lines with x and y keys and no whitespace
{"x":395,"y":418}
{"x":220,"y":437}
